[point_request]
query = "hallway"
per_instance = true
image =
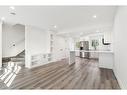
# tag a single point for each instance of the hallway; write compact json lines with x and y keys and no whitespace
{"x":84,"y":74}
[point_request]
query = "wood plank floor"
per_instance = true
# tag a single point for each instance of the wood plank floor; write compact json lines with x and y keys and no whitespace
{"x":84,"y":74}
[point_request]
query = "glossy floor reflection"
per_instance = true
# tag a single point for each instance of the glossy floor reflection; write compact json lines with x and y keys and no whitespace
{"x":9,"y":73}
{"x":84,"y":74}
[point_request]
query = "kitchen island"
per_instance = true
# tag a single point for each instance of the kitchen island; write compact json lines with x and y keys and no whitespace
{"x":106,"y":58}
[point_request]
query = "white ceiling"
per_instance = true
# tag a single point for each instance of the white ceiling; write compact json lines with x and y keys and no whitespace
{"x":68,"y":19}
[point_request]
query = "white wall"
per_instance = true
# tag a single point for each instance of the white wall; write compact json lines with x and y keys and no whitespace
{"x":37,"y":41}
{"x":12,"y":34}
{"x":71,"y":44}
{"x":0,"y":43}
{"x":59,"y":48}
{"x":120,"y":46}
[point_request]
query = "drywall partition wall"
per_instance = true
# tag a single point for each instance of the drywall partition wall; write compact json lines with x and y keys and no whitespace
{"x":71,"y":44}
{"x":37,"y":41}
{"x":71,"y":57}
{"x":59,"y":48}
{"x":120,"y":46}
{"x":13,"y":39}
{"x":0,"y":43}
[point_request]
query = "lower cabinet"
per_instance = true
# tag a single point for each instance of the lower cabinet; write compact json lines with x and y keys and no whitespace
{"x":106,"y":60}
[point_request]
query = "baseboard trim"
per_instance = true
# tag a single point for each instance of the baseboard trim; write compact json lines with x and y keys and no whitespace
{"x":122,"y":86}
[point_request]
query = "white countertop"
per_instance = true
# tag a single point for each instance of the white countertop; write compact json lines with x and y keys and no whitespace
{"x":96,"y":51}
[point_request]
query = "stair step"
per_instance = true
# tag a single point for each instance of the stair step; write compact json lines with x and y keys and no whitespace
{"x":21,"y":56}
{"x":20,"y":63}
{"x":17,"y":59}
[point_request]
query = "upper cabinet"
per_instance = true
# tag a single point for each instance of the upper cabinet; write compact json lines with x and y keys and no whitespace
{"x":108,"y":37}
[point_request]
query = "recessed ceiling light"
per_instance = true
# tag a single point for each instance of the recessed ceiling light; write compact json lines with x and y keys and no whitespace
{"x":2,"y":18}
{"x":12,"y":7}
{"x":55,"y":26}
{"x":94,"y":16}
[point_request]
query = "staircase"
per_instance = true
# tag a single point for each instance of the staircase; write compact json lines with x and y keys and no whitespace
{"x":19,"y":59}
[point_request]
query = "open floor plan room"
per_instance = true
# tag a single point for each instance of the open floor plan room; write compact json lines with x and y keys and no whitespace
{"x":63,"y":47}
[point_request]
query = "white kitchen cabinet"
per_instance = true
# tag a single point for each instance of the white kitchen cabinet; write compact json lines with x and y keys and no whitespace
{"x":77,"y":53}
{"x":108,"y":37}
{"x":94,"y":55}
{"x":106,"y":60}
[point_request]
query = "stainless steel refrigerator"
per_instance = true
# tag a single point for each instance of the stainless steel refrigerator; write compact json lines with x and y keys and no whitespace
{"x":84,"y":45}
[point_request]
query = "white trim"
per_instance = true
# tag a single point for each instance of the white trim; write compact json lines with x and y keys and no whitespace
{"x":121,"y":84}
{"x":1,"y":44}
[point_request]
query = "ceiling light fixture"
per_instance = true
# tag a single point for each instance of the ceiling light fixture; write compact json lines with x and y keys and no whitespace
{"x":12,"y":10}
{"x":55,"y":26}
{"x":94,"y":16}
{"x":12,"y":7}
{"x":2,"y":18}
